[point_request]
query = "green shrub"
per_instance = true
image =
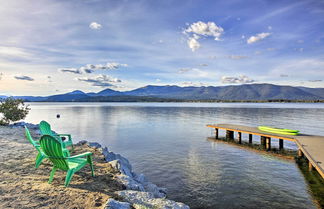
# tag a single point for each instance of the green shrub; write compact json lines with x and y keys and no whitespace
{"x":12,"y":110}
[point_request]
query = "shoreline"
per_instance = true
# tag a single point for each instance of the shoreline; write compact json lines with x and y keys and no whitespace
{"x":127,"y":189}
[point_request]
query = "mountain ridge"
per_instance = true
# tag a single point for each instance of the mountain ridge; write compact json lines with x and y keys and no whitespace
{"x":244,"y":92}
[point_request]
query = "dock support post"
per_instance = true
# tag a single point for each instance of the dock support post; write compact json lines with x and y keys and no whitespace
{"x":216,"y":133}
{"x":310,"y":166}
{"x":250,"y":138}
{"x":300,"y":153}
{"x":268,"y":143}
{"x":263,"y":141}
{"x":229,"y":134}
{"x":239,"y":135}
{"x":281,"y":144}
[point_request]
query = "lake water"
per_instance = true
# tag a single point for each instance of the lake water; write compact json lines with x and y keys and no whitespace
{"x":168,"y":143}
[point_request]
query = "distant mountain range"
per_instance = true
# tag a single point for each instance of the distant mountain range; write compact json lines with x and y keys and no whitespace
{"x":246,"y":92}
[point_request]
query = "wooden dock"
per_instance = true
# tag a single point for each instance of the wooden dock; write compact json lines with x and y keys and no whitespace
{"x":312,"y":147}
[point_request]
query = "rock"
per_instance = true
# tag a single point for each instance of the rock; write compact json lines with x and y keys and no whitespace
{"x":82,"y":142}
{"x":130,"y":183}
{"x":122,"y":167}
{"x":114,"y":204}
{"x":22,"y":124}
{"x":94,"y":144}
{"x":159,"y":192}
{"x":147,"y":200}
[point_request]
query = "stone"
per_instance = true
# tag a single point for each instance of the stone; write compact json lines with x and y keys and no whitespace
{"x":114,"y":204}
{"x":123,"y":167}
{"x":147,"y":200}
{"x":94,"y":144}
{"x":82,"y":142}
{"x":130,"y":183}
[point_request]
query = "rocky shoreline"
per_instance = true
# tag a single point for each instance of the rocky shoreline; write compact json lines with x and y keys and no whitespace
{"x":139,"y":192}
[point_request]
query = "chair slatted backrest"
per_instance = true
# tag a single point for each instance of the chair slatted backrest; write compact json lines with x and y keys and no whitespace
{"x":45,"y":128}
{"x":54,"y":150}
{"x":31,"y":140}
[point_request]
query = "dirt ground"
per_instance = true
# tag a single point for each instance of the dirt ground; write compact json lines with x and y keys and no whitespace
{"x":24,"y":186}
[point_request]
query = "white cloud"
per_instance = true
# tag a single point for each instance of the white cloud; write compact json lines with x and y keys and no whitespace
{"x":198,"y":29}
{"x":193,"y":44}
{"x":205,"y":29}
{"x":101,"y":80}
{"x":195,"y":84}
{"x":95,"y":26}
{"x":240,"y":79}
{"x":257,"y":37}
{"x":13,"y":52}
{"x":90,"y":68}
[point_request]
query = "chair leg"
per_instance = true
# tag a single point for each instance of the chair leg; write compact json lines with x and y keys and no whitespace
{"x":89,"y":159}
{"x":52,"y":175}
{"x":68,"y":177}
{"x":39,"y":159}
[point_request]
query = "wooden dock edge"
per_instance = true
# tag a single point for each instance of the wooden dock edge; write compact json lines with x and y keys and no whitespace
{"x":300,"y":146}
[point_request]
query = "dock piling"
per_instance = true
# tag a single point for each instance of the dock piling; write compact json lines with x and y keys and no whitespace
{"x":300,"y":153}
{"x":229,"y":134}
{"x":281,"y":144}
{"x":268,"y":143}
{"x":310,"y":166}
{"x":216,"y":133}
{"x":263,"y":141}
{"x":239,"y":135}
{"x":250,"y":138}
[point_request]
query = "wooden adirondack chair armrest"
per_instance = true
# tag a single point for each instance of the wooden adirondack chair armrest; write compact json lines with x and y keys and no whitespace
{"x":86,"y":154}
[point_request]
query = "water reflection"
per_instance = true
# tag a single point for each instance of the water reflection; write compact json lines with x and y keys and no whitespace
{"x":167,"y":142}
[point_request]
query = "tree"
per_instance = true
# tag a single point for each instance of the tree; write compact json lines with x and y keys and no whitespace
{"x":12,"y":110}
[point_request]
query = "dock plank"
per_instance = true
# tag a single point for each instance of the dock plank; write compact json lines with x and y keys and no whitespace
{"x":312,"y":146}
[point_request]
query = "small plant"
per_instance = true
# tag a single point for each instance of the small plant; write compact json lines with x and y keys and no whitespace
{"x":12,"y":110}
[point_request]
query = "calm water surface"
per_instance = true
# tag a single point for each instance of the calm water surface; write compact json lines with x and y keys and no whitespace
{"x":168,"y":143}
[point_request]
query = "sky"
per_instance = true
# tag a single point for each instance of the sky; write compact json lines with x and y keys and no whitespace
{"x":56,"y":46}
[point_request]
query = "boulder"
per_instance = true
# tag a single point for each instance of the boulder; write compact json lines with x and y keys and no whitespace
{"x":147,"y":200}
{"x":114,"y":204}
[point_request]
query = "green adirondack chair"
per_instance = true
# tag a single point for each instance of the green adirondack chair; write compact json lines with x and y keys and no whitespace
{"x":45,"y":129}
{"x":41,"y":155}
{"x":54,"y":151}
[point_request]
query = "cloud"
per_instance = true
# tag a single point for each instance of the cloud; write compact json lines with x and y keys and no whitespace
{"x":13,"y":52}
{"x":205,"y":29}
{"x":101,"y":80}
{"x":190,"y":83}
{"x":95,"y":26}
{"x":183,"y":70}
{"x":90,"y":68}
{"x":198,"y":29}
{"x":257,"y":37}
{"x":193,"y":44}
{"x":24,"y":77}
{"x":237,"y":57}
{"x":70,"y":70}
{"x":315,"y":81}
{"x":240,"y":79}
